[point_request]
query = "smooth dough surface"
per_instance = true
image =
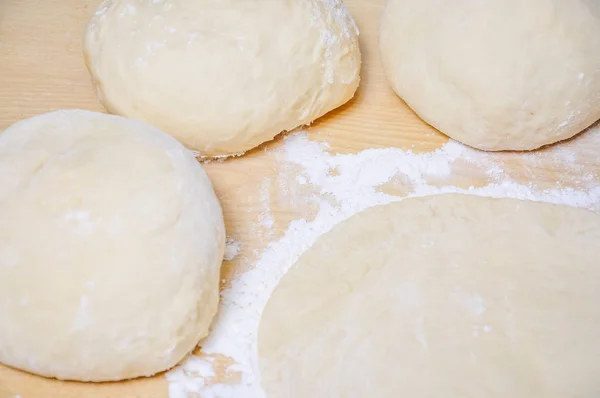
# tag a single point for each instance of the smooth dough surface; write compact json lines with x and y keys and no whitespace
{"x":223,"y":76}
{"x":496,"y":74}
{"x":111,"y":242}
{"x":444,"y":296}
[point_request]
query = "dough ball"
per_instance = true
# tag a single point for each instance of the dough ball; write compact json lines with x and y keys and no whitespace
{"x":496,"y":74}
{"x":111,"y":241}
{"x":223,"y":76}
{"x":445,"y":296}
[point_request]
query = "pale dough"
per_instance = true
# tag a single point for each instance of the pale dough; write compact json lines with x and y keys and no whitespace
{"x":111,"y":242}
{"x":444,"y":296}
{"x":496,"y":74}
{"x":223,"y":76}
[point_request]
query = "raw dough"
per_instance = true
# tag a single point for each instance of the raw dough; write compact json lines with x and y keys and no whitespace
{"x":111,"y":242}
{"x":496,"y":74}
{"x":223,"y":76}
{"x":445,"y":296}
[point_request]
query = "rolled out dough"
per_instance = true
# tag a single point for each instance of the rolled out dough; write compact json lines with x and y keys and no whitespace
{"x":444,"y":296}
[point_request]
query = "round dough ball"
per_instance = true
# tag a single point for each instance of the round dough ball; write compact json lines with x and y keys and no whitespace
{"x":445,"y":296}
{"x":496,"y":74}
{"x":223,"y":76}
{"x":111,"y":242}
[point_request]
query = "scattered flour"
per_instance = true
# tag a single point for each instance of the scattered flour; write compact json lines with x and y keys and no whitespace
{"x":190,"y":376}
{"x":345,"y":185}
{"x":266,"y":219}
{"x":232,"y":249}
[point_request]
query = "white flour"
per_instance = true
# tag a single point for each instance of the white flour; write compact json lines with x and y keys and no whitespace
{"x":346,"y":185}
{"x":232,"y":249}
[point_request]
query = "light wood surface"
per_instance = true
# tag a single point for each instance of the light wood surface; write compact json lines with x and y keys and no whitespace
{"x":42,"y":69}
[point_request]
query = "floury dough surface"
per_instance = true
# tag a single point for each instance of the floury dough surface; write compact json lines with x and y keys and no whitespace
{"x":111,"y":242}
{"x":223,"y":76}
{"x":496,"y":74}
{"x":448,"y":295}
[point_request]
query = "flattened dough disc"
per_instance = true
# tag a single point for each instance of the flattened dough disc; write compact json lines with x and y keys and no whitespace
{"x":444,"y":296}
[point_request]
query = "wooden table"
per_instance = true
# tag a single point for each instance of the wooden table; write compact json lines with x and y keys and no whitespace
{"x":42,"y":69}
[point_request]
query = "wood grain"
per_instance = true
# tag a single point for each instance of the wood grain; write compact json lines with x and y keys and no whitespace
{"x":42,"y":69}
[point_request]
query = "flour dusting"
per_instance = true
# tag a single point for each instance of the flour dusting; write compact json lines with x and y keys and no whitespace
{"x":342,"y":185}
{"x":232,"y":249}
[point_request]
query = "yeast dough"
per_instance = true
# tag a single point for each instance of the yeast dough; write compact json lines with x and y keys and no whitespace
{"x":444,"y":296}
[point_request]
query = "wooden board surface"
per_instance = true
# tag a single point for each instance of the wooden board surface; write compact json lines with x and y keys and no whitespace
{"x":42,"y":69}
